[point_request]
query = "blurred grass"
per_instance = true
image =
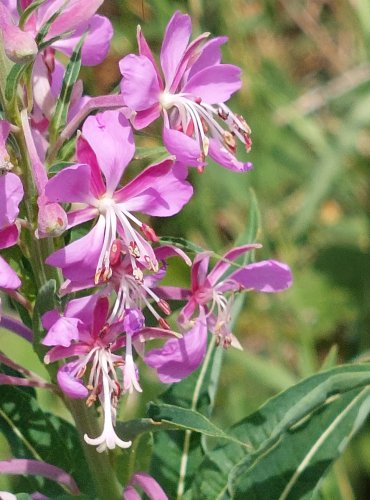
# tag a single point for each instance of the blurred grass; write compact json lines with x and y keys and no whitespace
{"x":306,"y":96}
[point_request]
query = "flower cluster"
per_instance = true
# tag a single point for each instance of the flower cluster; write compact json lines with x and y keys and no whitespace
{"x":93,"y":208}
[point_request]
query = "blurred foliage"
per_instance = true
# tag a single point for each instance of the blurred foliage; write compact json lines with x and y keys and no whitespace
{"x":306,"y":96}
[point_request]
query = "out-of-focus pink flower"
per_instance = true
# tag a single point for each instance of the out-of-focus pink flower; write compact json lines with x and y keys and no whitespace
{"x":147,"y":483}
{"x":11,"y":194}
{"x":160,"y":190}
{"x":74,"y":20}
{"x":208,"y":308}
{"x":191,"y":96}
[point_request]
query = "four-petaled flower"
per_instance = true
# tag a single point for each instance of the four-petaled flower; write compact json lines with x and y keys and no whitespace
{"x":180,"y":357}
{"x":105,"y":150}
{"x":191,"y":97}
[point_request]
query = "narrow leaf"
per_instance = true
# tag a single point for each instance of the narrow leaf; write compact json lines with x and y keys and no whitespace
{"x":274,"y":421}
{"x":59,"y":119}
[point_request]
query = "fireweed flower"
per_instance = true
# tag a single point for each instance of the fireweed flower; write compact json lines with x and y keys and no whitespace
{"x":191,"y":97}
{"x":208,"y":307}
{"x":86,"y":334}
{"x":11,"y":194}
{"x":160,"y":190}
{"x":75,"y":18}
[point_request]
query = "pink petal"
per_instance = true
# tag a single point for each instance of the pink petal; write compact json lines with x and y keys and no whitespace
{"x":71,"y":386}
{"x":139,"y":87}
{"x":8,"y":278}
{"x":266,"y":276}
{"x":11,"y":194}
{"x":191,"y":54}
{"x":185,"y":148}
{"x":166,"y":251}
{"x":129,"y":493}
{"x":4,"y":132}
{"x":24,"y":466}
{"x":144,"y":118}
{"x":199,"y":270}
{"x":72,"y":16}
{"x":175,"y":41}
{"x":81,"y":215}
{"x":144,"y":50}
{"x":210,"y":56}
{"x":82,"y":308}
{"x":221,"y":155}
{"x":178,"y":358}
{"x":222,"y":265}
{"x":62,"y":332}
{"x":71,"y":185}
{"x":110,"y":136}
{"x":85,"y":154}
{"x":149,"y":485}
{"x":159,"y":190}
{"x":80,"y":258}
{"x":214,"y":84}
{"x":9,"y":236}
{"x":96,"y":44}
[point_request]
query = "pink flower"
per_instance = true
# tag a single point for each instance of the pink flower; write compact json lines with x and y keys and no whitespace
{"x":11,"y":194}
{"x":191,"y":97}
{"x":87,"y":333}
{"x":160,"y":190}
{"x":180,"y":357}
{"x":76,"y":18}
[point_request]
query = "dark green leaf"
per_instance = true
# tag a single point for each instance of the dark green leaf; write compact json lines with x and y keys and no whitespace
{"x":293,"y":468}
{"x":33,"y":433}
{"x":277,"y":420}
{"x":178,"y":449}
{"x":184,"y":418}
{"x":57,"y":167}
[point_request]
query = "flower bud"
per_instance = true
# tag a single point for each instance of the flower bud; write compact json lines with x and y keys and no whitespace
{"x":52,"y":220}
{"x":19,"y":45}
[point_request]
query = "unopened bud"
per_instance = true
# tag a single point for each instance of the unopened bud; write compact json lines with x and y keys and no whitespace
{"x":19,"y":45}
{"x":52,"y":220}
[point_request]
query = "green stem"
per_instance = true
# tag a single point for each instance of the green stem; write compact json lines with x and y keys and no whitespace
{"x":106,"y":484}
{"x":194,"y":403}
{"x":102,"y":472}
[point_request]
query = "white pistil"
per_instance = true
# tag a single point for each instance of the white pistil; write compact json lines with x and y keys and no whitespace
{"x":108,"y":438}
{"x":130,"y":380}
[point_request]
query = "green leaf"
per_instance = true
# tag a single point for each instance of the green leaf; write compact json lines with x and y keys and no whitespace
{"x":181,"y":243}
{"x":293,"y":468}
{"x":44,"y":29}
{"x":59,"y":119}
{"x":33,"y":433}
{"x":280,"y":419}
{"x":184,"y":418}
{"x":178,"y":454}
{"x":57,"y":167}
{"x":28,"y":11}
{"x":13,"y":79}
